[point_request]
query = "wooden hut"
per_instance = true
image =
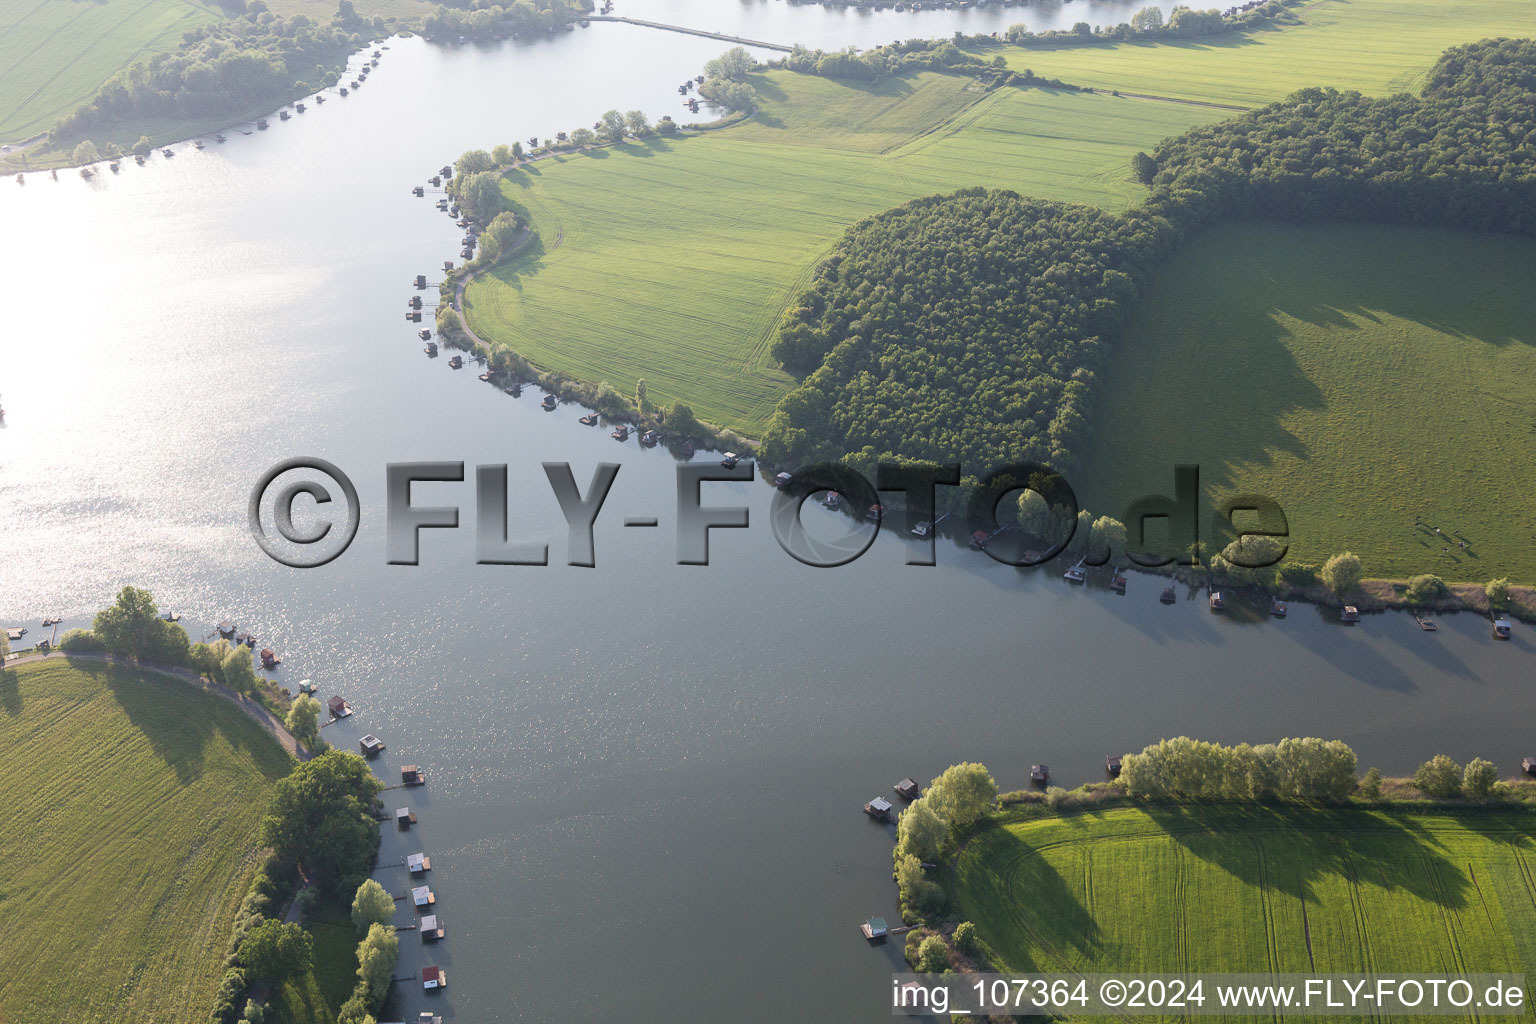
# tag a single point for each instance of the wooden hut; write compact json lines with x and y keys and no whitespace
{"x":1349,"y":614}
{"x":908,"y":789}
{"x":269,"y":658}
{"x":875,"y":929}
{"x":418,"y":863}
{"x":1039,"y":774}
{"x":404,"y":818}
{"x":371,"y":745}
{"x":411,"y":775}
{"x":879,"y":808}
{"x":339,"y":707}
{"x":433,"y":978}
{"x":1112,"y":764}
{"x":431,"y":928}
{"x":423,"y":896}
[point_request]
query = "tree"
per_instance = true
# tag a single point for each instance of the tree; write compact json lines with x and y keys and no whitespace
{"x":1341,"y":573}
{"x":1438,"y":777}
{"x":1314,"y":769}
{"x":480,"y":195}
{"x":1107,"y":535}
{"x":473,"y":161}
{"x":932,"y":956}
{"x":641,"y":401}
{"x":1425,"y":588}
{"x":238,"y":671}
{"x":113,"y":150}
{"x":1478,"y":780}
{"x":920,"y":831}
{"x":5,"y":647}
{"x":320,"y":817}
{"x":965,"y":937}
{"x":583,"y":138}
{"x":733,"y":63}
{"x":1148,"y":19}
{"x":208,"y":659}
{"x":681,"y":420}
{"x":376,"y":956}
{"x":1144,"y":167}
{"x":143,"y":147}
{"x":517,"y":151}
{"x":612,"y":129}
{"x":303,"y":721}
{"x":723,"y":92}
{"x":371,"y":905}
{"x":962,"y":793}
{"x":1370,"y":786}
{"x":666,"y":126}
{"x":276,"y":951}
{"x":1497,"y":591}
{"x":502,"y":155}
{"x":132,"y":625}
{"x":637,"y":124}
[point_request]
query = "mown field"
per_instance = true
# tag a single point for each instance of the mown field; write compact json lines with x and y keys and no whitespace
{"x":1255,"y":889}
{"x":132,"y":804}
{"x":1363,"y":376}
{"x":672,"y":261}
{"x":57,"y":52}
{"x":1378,"y":47}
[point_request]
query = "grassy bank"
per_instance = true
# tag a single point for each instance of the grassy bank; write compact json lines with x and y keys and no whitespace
{"x":315,"y":996}
{"x":1253,"y":888}
{"x":134,"y":801}
{"x":672,"y":260}
{"x":1364,"y":377}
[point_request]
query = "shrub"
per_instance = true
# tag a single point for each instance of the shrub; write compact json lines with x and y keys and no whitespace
{"x":1479,"y":779}
{"x":1342,"y":572}
{"x":965,"y":937}
{"x":79,"y":640}
{"x":932,"y":956}
{"x":1425,"y":588}
{"x":1370,"y":786}
{"x":1497,"y":591}
{"x":1438,"y":777}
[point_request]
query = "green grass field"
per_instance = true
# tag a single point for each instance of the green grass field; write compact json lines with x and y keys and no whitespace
{"x":316,"y":996}
{"x":672,"y":261}
{"x":1375,"y":46}
{"x":132,"y":806}
{"x":1362,"y":376}
{"x":1255,"y":889}
{"x":57,"y":52}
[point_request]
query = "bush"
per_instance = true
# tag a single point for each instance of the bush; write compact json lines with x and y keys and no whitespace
{"x":1342,"y":572}
{"x":1426,"y":588}
{"x":965,"y":937}
{"x":1479,"y":779}
{"x":79,"y":640}
{"x":932,"y":956}
{"x":1497,"y":591}
{"x":1370,"y":786}
{"x":1438,"y":777}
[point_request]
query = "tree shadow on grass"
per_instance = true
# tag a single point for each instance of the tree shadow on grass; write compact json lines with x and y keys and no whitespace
{"x":180,"y":721}
{"x":1267,"y":845}
{"x":10,"y":691}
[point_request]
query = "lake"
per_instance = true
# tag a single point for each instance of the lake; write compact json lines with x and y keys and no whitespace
{"x":645,"y":778}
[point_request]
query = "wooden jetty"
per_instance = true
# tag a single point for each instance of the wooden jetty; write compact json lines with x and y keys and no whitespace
{"x":1426,"y":623}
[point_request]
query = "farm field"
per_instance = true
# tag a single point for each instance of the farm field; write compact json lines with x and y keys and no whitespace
{"x":133,"y":804}
{"x":672,"y":261}
{"x":1363,"y":376}
{"x":58,"y":53}
{"x":1377,"y":47}
{"x":1254,"y":888}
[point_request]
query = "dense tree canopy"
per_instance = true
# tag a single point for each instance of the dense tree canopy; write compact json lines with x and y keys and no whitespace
{"x":132,"y":625}
{"x":1301,"y":769}
{"x":320,"y":817}
{"x":971,"y":328}
{"x":483,"y":20}
{"x":230,"y":66}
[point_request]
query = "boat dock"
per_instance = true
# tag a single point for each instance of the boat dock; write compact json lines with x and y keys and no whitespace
{"x":693,"y":32}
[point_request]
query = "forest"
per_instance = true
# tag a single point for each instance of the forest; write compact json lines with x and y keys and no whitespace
{"x":232,"y":66}
{"x":973,"y":327}
{"x":485,"y":21}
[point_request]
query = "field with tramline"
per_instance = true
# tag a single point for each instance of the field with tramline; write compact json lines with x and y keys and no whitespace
{"x":132,"y":808}
{"x":1221,"y":888}
{"x":1377,"y":47}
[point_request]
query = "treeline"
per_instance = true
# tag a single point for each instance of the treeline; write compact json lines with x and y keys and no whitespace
{"x":232,"y":66}
{"x":1148,"y":24}
{"x":486,"y":20}
{"x":1293,"y":769}
{"x":1461,"y":155}
{"x":955,"y":328}
{"x":912,"y":56}
{"x":972,"y":327}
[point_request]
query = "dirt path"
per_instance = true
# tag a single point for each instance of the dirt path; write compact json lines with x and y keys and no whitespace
{"x":266,"y":719}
